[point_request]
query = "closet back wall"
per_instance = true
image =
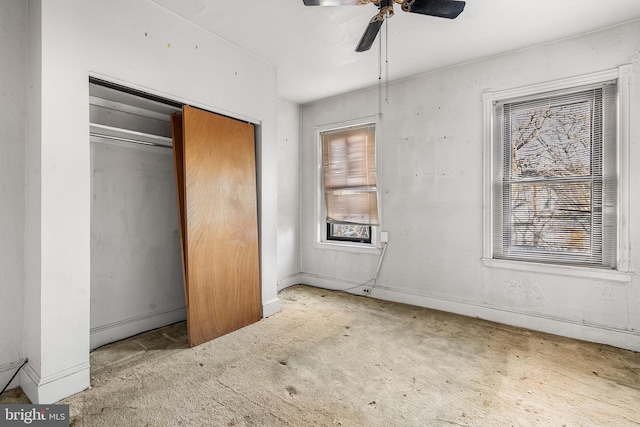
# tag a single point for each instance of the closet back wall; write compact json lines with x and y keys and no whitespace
{"x":136,"y":274}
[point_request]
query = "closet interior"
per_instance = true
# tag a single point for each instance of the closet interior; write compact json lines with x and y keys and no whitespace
{"x":136,"y":271}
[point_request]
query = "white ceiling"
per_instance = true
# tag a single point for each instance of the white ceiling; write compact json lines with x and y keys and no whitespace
{"x":313,"y":48}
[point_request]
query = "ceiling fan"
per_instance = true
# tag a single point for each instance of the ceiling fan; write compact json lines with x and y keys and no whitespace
{"x":440,"y":8}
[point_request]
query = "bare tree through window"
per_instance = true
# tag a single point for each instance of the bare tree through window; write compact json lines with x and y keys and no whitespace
{"x":549,"y":176}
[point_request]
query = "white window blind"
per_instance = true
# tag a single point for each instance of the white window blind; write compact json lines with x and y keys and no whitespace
{"x":349,"y":170}
{"x":554,"y":186}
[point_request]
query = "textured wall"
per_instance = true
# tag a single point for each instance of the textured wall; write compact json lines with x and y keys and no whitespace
{"x":288,"y":193}
{"x":13,"y":48}
{"x":136,"y":270}
{"x":431,"y":153}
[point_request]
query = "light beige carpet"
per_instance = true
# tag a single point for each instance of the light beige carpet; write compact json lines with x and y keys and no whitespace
{"x":333,"y":359}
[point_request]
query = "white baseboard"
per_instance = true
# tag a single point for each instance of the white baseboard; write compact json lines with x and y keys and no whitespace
{"x":52,"y":388}
{"x":125,"y":328}
{"x":557,"y":325}
{"x":290,"y":280}
{"x":333,"y":284}
{"x":271,"y":307}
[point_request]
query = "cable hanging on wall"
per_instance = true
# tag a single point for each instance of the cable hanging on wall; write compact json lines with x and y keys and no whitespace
{"x":14,"y":375}
{"x":383,"y":78}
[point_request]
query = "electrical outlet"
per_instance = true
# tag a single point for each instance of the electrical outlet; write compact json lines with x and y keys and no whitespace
{"x":366,"y":291}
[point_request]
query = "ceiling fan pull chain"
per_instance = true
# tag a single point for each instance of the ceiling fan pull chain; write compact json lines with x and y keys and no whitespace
{"x":386,"y":59}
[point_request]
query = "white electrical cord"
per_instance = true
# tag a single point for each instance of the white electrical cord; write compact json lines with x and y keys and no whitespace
{"x":375,"y":279}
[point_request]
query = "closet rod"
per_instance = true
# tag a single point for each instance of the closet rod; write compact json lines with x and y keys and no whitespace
{"x":135,"y":141}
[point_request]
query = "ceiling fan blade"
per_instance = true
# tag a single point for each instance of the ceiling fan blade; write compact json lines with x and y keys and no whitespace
{"x":370,"y":34}
{"x":333,"y":2}
{"x":440,"y":8}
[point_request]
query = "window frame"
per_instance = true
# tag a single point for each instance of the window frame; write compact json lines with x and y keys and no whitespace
{"x":322,"y":240}
{"x":622,"y":76}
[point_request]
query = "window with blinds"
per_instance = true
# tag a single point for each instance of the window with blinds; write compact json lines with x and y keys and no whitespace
{"x":554,"y":185}
{"x":349,"y":182}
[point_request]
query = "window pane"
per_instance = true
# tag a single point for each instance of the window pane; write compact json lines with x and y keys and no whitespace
{"x":551,"y":217}
{"x":551,"y":141}
{"x":351,"y":231}
{"x":349,"y":157}
{"x":358,"y":206}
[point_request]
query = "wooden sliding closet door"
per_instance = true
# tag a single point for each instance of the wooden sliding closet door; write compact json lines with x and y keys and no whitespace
{"x":219,"y":223}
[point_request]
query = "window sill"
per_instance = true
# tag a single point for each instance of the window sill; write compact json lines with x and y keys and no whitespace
{"x":363,"y":248}
{"x":561,"y":270}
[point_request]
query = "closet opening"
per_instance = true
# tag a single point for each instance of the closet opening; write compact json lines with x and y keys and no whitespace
{"x":174,"y":217}
{"x":136,"y":271}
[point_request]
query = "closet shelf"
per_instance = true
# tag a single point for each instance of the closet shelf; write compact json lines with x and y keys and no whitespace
{"x":126,"y":135}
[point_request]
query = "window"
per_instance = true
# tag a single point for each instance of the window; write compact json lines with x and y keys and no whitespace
{"x":553,"y":174}
{"x":557,"y":178}
{"x":349,"y":192}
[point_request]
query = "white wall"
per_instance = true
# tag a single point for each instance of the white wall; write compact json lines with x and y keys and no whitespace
{"x":136,"y":266}
{"x":13,"y":49}
{"x":431,"y":153}
{"x":31,"y":338}
{"x":288,"y":194}
{"x":143,"y":46}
